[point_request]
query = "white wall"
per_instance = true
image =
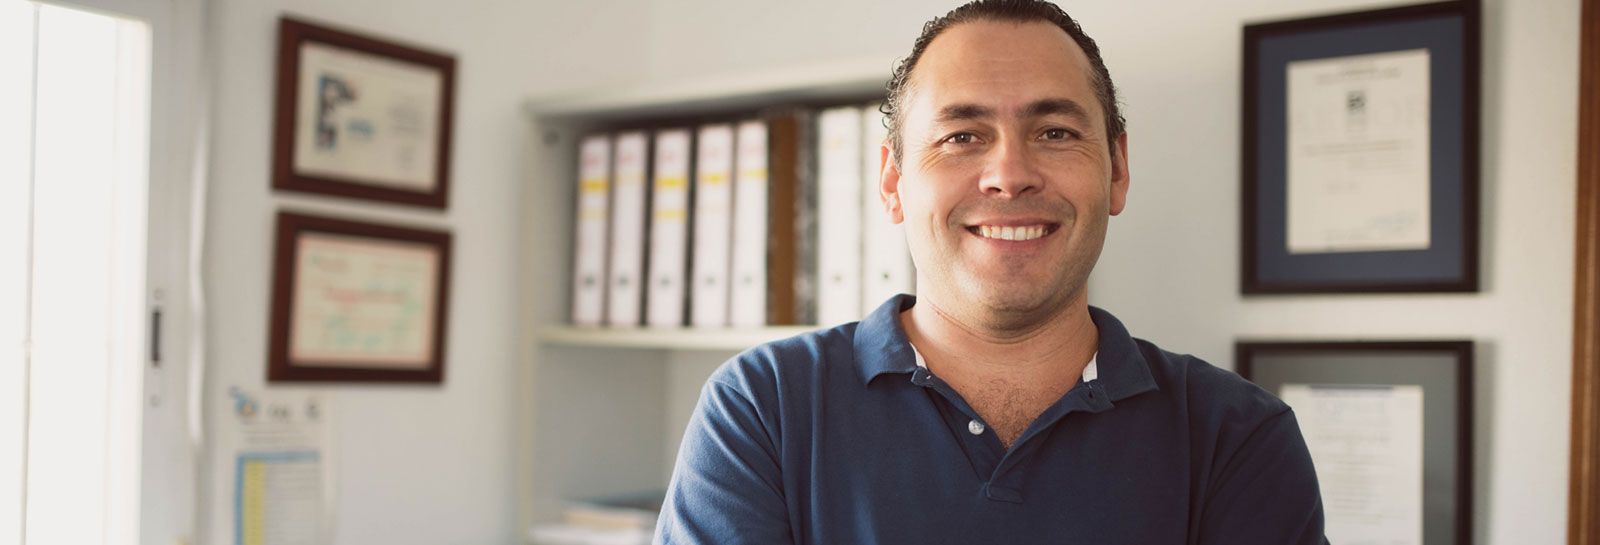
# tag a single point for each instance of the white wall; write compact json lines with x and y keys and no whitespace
{"x":416,"y":464}
{"x":1170,"y":269}
{"x":435,"y":465}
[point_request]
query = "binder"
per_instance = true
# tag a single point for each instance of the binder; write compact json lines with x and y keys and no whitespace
{"x":748,"y":275}
{"x":669,"y":230}
{"x":625,"y":286}
{"x":839,"y":215}
{"x":589,"y":244}
{"x":791,"y":223}
{"x":885,"y":260}
{"x":713,"y":226}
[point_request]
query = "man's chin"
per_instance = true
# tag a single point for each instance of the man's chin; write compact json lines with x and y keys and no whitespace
{"x":1030,"y":300}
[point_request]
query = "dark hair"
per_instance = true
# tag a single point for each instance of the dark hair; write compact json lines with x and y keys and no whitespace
{"x":1016,"y":11}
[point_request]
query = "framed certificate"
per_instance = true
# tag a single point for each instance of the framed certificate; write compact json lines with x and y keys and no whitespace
{"x":1360,"y":152}
{"x":1389,"y":427}
{"x":362,"y":118}
{"x":357,"y":302}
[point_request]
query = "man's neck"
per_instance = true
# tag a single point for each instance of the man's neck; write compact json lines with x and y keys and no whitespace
{"x":1056,"y":346}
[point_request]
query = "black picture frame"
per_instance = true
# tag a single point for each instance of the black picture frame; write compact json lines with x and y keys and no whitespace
{"x":1449,"y":31}
{"x":1443,"y":368}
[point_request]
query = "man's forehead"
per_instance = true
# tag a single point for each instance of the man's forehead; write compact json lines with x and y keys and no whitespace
{"x":1005,"y":65}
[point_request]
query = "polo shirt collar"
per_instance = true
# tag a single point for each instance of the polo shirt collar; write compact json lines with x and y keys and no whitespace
{"x":881,"y":346}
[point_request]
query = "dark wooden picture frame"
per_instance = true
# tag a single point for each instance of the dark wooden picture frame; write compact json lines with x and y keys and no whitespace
{"x":1384,"y":364}
{"x":1450,"y":33}
{"x":282,"y":366}
{"x":1583,"y":511}
{"x":293,"y":34}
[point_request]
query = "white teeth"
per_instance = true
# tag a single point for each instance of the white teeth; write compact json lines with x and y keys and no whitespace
{"x":1011,"y":233}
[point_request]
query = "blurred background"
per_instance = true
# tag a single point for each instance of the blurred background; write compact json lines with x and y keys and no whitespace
{"x":532,"y":413}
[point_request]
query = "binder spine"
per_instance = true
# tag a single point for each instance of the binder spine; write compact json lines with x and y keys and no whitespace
{"x":630,"y":229}
{"x":748,"y":272}
{"x":590,"y":223}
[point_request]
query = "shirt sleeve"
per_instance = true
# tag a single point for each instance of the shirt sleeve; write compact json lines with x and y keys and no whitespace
{"x":727,"y":488}
{"x":1266,"y":493}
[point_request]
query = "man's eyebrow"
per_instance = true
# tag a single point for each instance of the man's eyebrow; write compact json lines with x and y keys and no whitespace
{"x":1056,"y":106}
{"x":1038,"y":108}
{"x":963,"y":112}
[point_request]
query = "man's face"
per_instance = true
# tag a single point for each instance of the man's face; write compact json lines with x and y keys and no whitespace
{"x":1007,"y":179}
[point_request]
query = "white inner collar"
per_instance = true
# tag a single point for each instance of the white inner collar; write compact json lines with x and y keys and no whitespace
{"x":1090,"y":372}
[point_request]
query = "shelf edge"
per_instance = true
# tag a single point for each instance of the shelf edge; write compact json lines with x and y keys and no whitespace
{"x":840,"y":76}
{"x":666,"y":338}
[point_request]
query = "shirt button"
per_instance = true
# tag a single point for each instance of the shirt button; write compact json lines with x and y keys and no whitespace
{"x":975,"y":427}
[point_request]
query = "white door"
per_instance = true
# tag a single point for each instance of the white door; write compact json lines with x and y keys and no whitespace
{"x":94,"y":213}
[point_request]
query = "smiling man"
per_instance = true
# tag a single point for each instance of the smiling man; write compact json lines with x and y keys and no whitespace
{"x":997,"y":406}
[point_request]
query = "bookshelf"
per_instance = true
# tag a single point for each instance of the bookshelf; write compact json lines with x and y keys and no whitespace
{"x":601,"y":411}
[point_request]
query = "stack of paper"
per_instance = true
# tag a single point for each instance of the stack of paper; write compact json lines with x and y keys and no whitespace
{"x":624,"y":520}
{"x":558,"y":534}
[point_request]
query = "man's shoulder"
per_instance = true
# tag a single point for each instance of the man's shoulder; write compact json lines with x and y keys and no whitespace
{"x":787,"y":363}
{"x":1207,"y":391}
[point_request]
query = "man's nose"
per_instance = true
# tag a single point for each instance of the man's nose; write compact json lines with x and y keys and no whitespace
{"x":1010,"y":171}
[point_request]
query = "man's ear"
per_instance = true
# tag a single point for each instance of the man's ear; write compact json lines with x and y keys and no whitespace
{"x":889,"y":184}
{"x":1119,"y":175}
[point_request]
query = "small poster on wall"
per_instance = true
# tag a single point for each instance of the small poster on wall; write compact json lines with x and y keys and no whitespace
{"x":278,"y":483}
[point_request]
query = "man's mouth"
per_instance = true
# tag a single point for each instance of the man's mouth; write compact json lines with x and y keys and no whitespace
{"x":1013,"y":232}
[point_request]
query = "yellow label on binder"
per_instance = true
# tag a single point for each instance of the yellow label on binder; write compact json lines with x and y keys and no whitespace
{"x":592,"y":185}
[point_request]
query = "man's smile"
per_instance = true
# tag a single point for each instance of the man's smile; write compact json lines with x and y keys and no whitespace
{"x":1013,"y":230}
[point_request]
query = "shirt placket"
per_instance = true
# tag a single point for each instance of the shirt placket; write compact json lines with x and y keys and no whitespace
{"x":971,"y":433}
{"x":1003,"y":471}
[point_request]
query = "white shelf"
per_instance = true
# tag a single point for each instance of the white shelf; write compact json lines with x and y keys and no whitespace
{"x":594,"y":422}
{"x":850,"y":79}
{"x":667,"y":338}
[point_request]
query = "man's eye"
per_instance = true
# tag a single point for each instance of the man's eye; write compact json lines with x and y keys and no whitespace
{"x":961,"y":138}
{"x":1057,"y":134}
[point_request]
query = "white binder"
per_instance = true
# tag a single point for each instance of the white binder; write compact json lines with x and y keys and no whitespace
{"x":886,"y":262}
{"x":713,"y":225}
{"x":748,"y":299}
{"x":669,"y":230}
{"x":589,"y":233}
{"x":839,"y":215}
{"x":625,"y":280}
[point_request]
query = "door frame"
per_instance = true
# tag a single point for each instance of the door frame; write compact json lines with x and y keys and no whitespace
{"x":1583,"y":510}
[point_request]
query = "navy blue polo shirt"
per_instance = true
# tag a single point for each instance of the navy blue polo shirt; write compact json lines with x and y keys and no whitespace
{"x":837,"y":437}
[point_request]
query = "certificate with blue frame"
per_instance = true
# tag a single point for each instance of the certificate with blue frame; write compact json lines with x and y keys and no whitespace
{"x":1360,"y":152}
